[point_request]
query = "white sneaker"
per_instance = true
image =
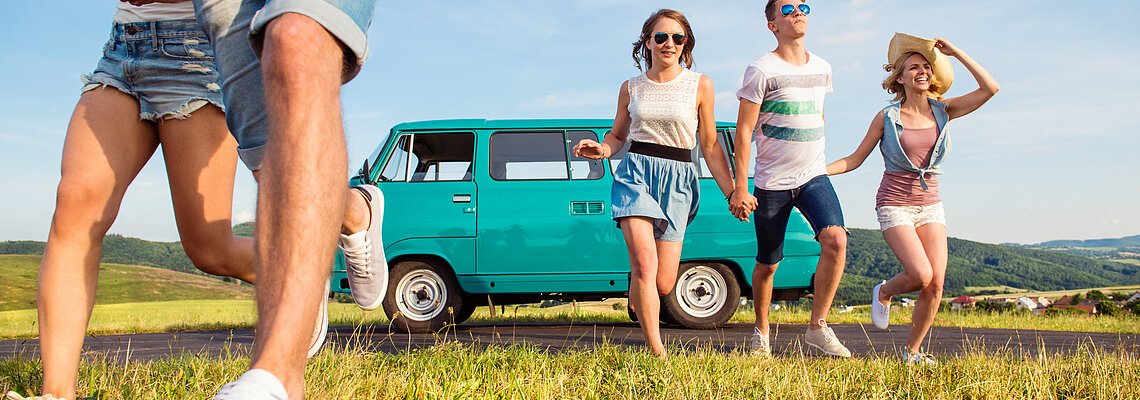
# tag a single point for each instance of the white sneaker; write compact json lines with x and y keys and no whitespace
{"x":824,"y":340}
{"x":920,"y":359}
{"x":364,"y":257}
{"x":759,"y":345}
{"x":880,"y":313}
{"x":17,"y":396}
{"x":255,"y":384}
{"x":321,"y":329}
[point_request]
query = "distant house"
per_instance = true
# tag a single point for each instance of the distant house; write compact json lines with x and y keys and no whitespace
{"x":907,"y":303}
{"x":962,"y":302}
{"x":1042,"y":301}
{"x":1135,"y":296}
{"x":1027,"y":303}
{"x":1064,"y":301}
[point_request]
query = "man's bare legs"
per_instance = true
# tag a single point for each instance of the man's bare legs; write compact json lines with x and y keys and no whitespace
{"x":301,"y":196}
{"x":832,"y":258}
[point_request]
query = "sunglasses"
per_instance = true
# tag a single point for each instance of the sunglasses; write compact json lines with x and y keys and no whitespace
{"x":788,"y":9}
{"x":661,"y":37}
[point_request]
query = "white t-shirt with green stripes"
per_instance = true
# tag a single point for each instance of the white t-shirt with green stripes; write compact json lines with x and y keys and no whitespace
{"x":789,"y":133}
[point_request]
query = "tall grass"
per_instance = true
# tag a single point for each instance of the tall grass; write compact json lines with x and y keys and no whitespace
{"x":460,"y":371}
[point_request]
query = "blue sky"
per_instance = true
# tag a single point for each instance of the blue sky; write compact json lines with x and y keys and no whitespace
{"x":1053,"y":156}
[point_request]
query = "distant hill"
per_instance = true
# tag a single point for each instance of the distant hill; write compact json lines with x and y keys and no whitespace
{"x":1128,"y":241}
{"x":120,"y":249}
{"x":117,"y":284}
{"x":870,"y":260}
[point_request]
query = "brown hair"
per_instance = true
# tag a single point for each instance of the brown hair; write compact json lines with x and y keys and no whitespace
{"x":641,"y":49}
{"x":770,"y":9}
{"x":895,"y":70}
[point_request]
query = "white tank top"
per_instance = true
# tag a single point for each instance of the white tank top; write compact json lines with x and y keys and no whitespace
{"x":126,"y":13}
{"x":664,"y":113}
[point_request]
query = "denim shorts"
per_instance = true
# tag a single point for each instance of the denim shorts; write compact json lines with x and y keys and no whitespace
{"x":913,"y":216}
{"x":236,"y":28}
{"x":167,"y":65}
{"x":815,"y":199}
{"x":659,"y":188}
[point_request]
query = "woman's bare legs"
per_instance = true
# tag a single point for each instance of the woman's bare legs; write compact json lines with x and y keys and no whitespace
{"x":653,"y":273}
{"x":923,"y":254}
{"x":105,"y":147}
{"x":201,"y":158}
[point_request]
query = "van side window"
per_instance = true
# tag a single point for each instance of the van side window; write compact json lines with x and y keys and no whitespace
{"x":396,"y":168}
{"x":702,"y":164}
{"x":582,"y":167}
{"x":435,"y":157}
{"x":528,"y":156}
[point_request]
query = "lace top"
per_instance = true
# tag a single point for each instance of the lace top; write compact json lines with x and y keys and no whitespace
{"x":664,"y":113}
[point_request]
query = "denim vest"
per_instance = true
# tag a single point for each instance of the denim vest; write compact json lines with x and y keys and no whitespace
{"x":893,"y":155}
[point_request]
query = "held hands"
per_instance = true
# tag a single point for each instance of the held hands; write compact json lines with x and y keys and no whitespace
{"x":592,"y":149}
{"x":945,"y":47}
{"x":741,"y":203}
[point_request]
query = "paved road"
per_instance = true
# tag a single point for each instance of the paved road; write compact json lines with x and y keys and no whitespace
{"x":861,"y":339}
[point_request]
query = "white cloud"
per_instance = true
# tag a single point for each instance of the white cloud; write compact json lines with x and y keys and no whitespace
{"x":243,"y":217}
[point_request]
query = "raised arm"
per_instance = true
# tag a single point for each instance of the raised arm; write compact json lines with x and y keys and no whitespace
{"x":849,"y":163}
{"x":613,"y":140}
{"x":987,"y":86}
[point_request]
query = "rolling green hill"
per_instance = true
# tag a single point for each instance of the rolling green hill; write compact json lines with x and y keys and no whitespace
{"x":117,"y":284}
{"x":870,"y":260}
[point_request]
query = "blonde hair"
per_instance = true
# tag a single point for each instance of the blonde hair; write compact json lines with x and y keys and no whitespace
{"x":895,"y":70}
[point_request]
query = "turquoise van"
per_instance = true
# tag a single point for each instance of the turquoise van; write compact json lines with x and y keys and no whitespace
{"x":482,"y":212}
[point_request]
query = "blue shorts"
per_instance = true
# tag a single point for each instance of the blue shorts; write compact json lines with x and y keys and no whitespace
{"x":659,"y":188}
{"x":167,"y":65}
{"x":815,"y":199}
{"x":236,"y":28}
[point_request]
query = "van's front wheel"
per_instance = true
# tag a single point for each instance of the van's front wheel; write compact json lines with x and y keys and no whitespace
{"x":705,"y":297}
{"x":422,"y":297}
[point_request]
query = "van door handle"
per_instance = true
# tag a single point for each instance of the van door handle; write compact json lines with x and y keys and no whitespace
{"x":461,"y":198}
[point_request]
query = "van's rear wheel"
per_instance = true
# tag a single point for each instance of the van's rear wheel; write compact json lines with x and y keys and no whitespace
{"x":705,"y":297}
{"x":422,"y":297}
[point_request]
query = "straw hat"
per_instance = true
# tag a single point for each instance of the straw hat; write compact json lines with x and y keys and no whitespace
{"x":903,"y":43}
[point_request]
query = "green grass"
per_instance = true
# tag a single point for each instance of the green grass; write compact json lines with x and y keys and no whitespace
{"x":1132,"y":261}
{"x":117,"y":284}
{"x":459,"y":371}
{"x":199,"y":315}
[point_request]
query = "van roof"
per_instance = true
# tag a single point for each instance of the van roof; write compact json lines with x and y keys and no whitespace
{"x":553,"y":123}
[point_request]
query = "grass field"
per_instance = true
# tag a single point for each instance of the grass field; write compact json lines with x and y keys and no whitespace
{"x":458,"y":371}
{"x":1132,"y":261}
{"x":1056,"y":294}
{"x":225,"y":314}
{"x":117,"y":284}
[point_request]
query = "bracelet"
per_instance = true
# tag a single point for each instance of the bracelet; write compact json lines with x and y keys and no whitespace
{"x":729,"y":197}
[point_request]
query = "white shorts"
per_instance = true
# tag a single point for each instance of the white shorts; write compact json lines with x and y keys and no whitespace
{"x":916,"y":216}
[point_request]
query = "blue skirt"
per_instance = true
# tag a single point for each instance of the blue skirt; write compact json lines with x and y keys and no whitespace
{"x":665,"y":190}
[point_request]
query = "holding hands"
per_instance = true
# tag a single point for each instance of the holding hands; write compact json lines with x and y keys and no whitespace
{"x":741,"y":203}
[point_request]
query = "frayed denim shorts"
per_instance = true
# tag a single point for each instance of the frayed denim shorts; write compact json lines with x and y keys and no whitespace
{"x":237,"y":28}
{"x":659,"y":188}
{"x":167,"y":65}
{"x":912,"y":216}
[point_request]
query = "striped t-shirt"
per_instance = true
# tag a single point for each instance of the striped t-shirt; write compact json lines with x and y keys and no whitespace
{"x":789,"y":133}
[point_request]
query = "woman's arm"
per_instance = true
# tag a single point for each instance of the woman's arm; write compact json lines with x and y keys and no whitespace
{"x":849,"y":163}
{"x":987,"y":86}
{"x":616,"y":138}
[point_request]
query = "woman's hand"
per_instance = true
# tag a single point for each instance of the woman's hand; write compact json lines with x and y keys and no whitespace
{"x":741,"y":203}
{"x":591,"y":149}
{"x":945,"y":47}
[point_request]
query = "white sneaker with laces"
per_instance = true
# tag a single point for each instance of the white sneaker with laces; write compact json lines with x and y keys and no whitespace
{"x":255,"y":384}
{"x":364,"y":257}
{"x":920,"y":359}
{"x":825,"y":341}
{"x":880,"y":313}
{"x":759,"y":345}
{"x":321,"y":329}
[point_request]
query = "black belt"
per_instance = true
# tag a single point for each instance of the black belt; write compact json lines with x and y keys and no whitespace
{"x":661,"y":151}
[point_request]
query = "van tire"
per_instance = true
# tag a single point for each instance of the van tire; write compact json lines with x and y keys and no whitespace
{"x":465,"y":311}
{"x":422,"y":297}
{"x":706,"y":296}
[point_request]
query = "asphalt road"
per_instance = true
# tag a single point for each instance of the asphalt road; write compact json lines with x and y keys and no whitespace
{"x":861,"y":339}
